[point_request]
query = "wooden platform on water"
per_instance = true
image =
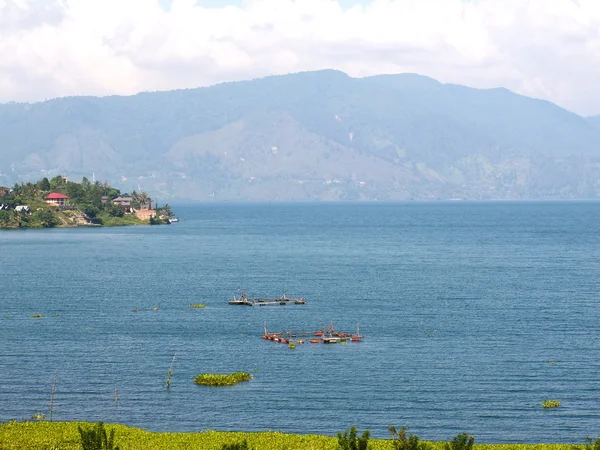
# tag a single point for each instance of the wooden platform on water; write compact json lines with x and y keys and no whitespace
{"x":266,"y":301}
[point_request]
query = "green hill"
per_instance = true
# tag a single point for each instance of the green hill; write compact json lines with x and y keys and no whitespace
{"x":312,"y":135}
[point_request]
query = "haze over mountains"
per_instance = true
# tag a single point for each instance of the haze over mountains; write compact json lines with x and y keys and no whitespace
{"x":309,"y":136}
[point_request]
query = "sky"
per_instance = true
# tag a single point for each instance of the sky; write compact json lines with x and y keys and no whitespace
{"x":547,"y":49}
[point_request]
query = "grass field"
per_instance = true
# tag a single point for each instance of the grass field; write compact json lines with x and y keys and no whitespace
{"x":64,"y":436}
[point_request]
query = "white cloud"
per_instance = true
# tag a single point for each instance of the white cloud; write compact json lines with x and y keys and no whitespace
{"x":543,"y":48}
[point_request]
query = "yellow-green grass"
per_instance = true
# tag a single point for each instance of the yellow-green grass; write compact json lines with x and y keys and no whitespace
{"x":222,"y":379}
{"x":198,"y":306}
{"x":64,"y":436}
{"x":128,"y":219}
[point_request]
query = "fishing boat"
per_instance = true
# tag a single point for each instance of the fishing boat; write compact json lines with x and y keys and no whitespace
{"x":331,"y":339}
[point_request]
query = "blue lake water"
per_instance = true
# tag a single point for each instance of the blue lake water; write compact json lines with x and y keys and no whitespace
{"x":463,"y":306}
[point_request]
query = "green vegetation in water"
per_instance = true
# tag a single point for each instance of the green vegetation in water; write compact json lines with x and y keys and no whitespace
{"x":95,"y":438}
{"x":134,"y":310}
{"x":155,"y":308}
{"x":39,"y":416}
{"x":550,"y":403}
{"x":291,"y":345}
{"x":36,"y":316}
{"x":222,"y":379}
{"x":65,"y":436}
{"x":170,"y":374}
{"x":198,"y":306}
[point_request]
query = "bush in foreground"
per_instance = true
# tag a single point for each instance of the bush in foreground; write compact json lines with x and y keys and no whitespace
{"x":460,"y":442}
{"x":96,"y":439}
{"x":350,"y":441}
{"x":402,"y":441}
{"x":237,"y":446}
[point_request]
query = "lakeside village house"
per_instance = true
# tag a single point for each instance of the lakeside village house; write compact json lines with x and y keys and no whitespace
{"x":144,"y":213}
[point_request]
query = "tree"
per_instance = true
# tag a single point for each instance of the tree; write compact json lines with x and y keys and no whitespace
{"x":91,"y":212}
{"x":44,"y":184}
{"x":4,"y":217}
{"x":56,"y":183}
{"x":116,"y":210}
{"x":164,"y":211}
{"x":46,"y":218}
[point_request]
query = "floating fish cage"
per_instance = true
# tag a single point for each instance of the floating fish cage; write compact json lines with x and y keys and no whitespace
{"x":324,"y":336}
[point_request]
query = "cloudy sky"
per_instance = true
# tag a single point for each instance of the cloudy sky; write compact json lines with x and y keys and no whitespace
{"x":543,"y":48}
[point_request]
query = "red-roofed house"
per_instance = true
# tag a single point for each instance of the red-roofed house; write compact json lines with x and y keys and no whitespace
{"x":57,"y":199}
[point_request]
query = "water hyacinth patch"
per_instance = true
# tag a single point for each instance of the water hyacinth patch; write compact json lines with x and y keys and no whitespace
{"x":550,"y":403}
{"x":222,"y":379}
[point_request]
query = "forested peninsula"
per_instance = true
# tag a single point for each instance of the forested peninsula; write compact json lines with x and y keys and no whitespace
{"x":62,"y":203}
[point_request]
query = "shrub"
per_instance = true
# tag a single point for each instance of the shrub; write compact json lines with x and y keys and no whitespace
{"x":403,"y":442}
{"x":236,"y":446}
{"x":590,"y":445}
{"x":349,"y":441}
{"x":96,"y":439}
{"x":460,"y":442}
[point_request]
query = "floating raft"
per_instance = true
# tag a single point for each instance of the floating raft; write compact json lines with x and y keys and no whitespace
{"x":265,"y":301}
{"x":323,"y":336}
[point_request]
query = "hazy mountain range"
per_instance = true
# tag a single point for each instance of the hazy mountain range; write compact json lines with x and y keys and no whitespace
{"x":313,"y":135}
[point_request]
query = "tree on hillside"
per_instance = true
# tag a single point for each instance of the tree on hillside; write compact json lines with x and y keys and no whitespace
{"x":116,"y":210}
{"x":165,"y":210}
{"x":46,"y":218}
{"x":57,"y":183}
{"x":44,"y":184}
{"x":4,"y":217}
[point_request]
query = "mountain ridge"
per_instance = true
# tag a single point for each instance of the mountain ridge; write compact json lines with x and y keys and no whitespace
{"x":311,"y":136}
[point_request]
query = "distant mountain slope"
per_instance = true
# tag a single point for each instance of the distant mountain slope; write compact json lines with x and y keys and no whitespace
{"x":595,"y":121}
{"x":311,"y":135}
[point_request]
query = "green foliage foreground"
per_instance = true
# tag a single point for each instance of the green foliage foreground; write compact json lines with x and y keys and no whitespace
{"x":65,"y":436}
{"x":96,"y":438}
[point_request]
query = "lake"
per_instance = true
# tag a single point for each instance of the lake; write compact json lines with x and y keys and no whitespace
{"x":473,"y":315}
